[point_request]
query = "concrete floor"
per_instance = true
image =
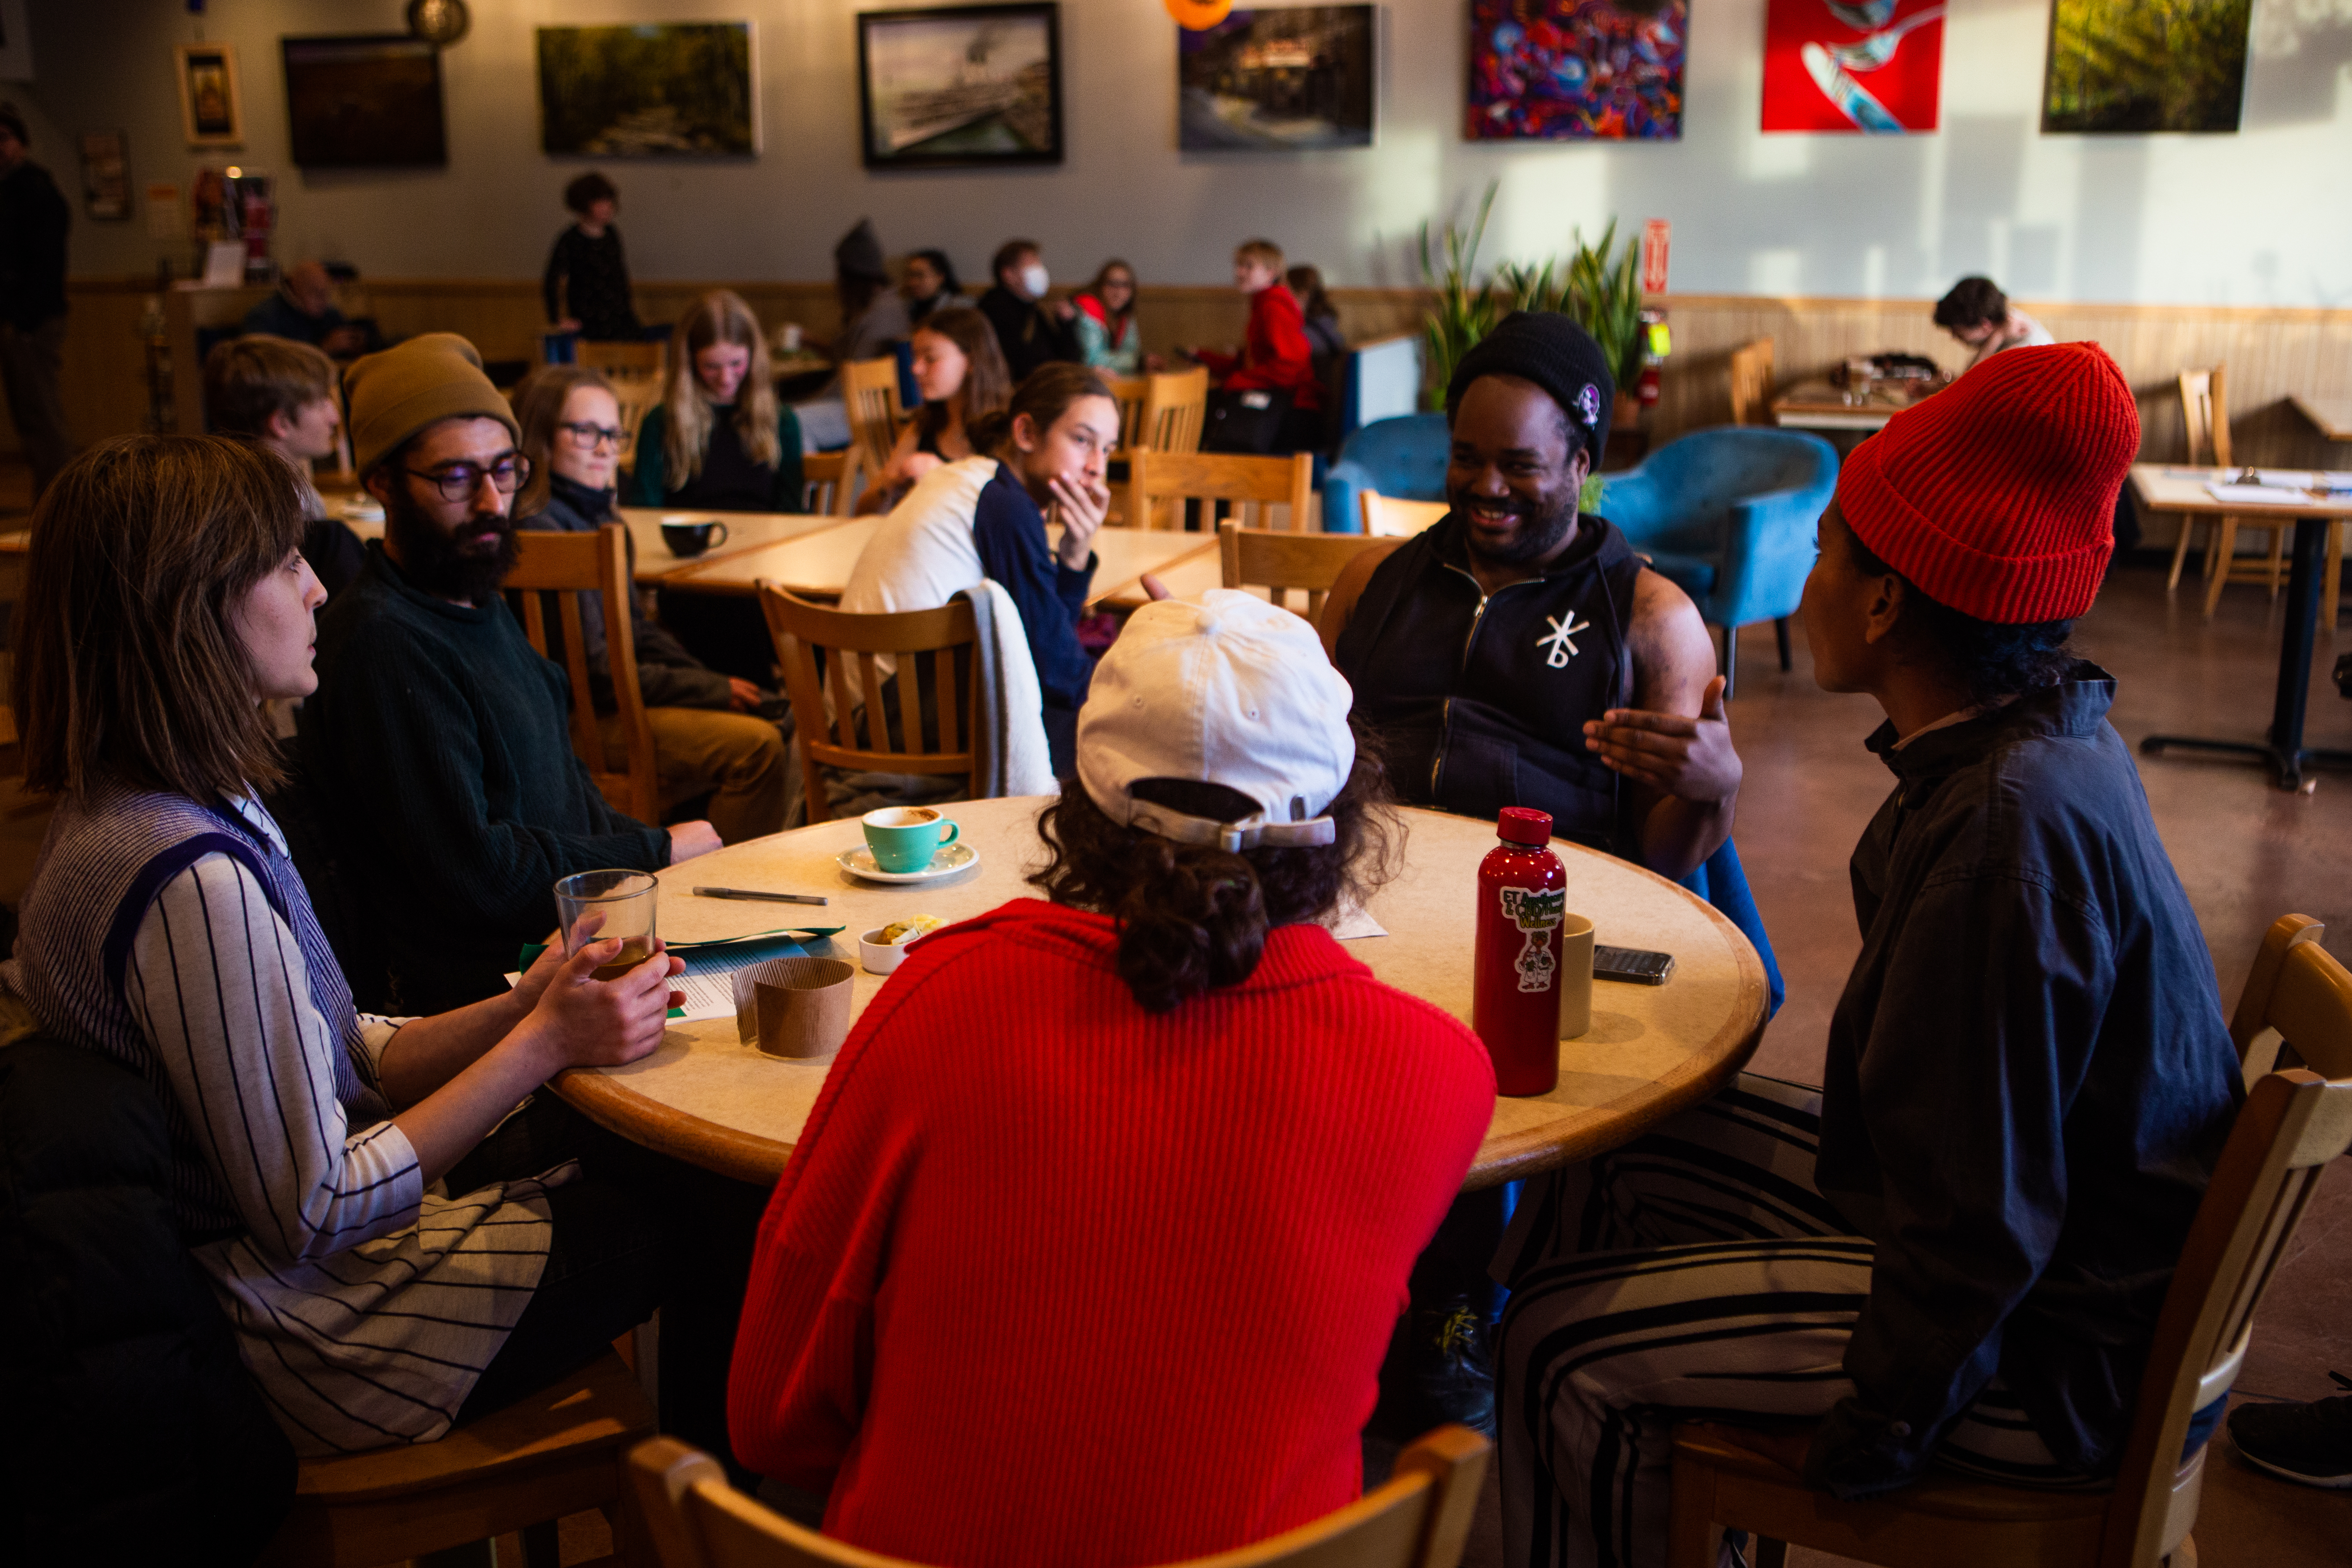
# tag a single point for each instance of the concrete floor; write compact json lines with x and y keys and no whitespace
{"x":2246,"y":854}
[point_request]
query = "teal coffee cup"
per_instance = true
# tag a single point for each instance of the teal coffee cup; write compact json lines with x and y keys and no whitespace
{"x":905,"y":838}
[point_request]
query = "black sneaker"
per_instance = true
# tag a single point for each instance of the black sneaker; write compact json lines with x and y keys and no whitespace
{"x":2308,"y":1443}
{"x":1438,"y":1369}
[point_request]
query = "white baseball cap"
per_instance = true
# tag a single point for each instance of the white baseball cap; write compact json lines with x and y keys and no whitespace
{"x":1231,"y":691}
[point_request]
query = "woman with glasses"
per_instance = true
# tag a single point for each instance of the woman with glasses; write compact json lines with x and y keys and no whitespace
{"x":719,"y":440}
{"x":1109,"y":339}
{"x":709,"y":738}
{"x":398,"y":1249}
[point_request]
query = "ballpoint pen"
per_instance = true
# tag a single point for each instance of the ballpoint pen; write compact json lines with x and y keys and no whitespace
{"x":764,"y":898}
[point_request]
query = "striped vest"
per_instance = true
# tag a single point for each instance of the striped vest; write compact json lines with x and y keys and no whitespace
{"x":105,"y":859}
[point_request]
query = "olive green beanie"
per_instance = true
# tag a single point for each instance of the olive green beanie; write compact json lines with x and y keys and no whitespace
{"x":396,"y":394}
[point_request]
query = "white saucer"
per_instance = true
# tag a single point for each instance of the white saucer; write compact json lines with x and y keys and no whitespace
{"x":955,"y":857}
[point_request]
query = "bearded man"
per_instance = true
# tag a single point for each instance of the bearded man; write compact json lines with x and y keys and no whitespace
{"x":438,"y":745}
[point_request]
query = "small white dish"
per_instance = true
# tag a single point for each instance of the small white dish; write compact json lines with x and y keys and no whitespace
{"x":880,"y":957}
{"x":955,"y":857}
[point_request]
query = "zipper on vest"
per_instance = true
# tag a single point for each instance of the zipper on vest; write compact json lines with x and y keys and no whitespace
{"x":1445,"y":713}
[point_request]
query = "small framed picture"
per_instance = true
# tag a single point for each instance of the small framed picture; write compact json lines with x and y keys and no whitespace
{"x":210,"y":107}
{"x":963,"y":86}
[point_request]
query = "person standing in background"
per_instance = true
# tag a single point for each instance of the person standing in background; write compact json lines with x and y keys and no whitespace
{"x":587,"y":281}
{"x":33,"y":222}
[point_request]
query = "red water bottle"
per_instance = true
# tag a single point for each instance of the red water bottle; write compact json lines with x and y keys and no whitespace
{"x":1515,"y":996}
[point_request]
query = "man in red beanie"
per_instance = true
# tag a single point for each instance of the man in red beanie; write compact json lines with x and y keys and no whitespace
{"x":1955,"y":1251}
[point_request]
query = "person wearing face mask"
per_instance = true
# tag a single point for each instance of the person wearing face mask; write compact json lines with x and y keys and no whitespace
{"x":1029,"y":332}
{"x":709,"y":736}
{"x":719,"y":440}
{"x":984,"y":516}
{"x":439,"y":742}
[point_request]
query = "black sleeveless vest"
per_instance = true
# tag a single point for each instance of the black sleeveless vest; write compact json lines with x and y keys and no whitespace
{"x":1478,"y":702}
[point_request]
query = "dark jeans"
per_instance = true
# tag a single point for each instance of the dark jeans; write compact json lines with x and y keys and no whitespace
{"x":634,"y":1231}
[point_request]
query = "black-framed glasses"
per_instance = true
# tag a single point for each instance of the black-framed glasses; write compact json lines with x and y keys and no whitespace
{"x":458,"y":481}
{"x":592,"y":436}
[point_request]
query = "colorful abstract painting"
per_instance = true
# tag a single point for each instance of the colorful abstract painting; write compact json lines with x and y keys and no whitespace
{"x":2146,"y":65}
{"x":1871,"y":67}
{"x":1576,"y":69}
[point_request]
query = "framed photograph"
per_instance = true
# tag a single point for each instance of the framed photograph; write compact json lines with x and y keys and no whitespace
{"x":1876,"y":68}
{"x":1276,"y":80}
{"x":210,"y":107}
{"x":106,"y":175}
{"x":1577,"y":71}
{"x":660,"y":90}
{"x":2146,"y":65}
{"x":965,"y":87}
{"x":367,"y":101}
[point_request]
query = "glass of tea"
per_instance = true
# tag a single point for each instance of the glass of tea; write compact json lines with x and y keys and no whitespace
{"x":600,"y":906}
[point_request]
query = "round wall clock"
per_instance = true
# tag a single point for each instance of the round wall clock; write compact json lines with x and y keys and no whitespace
{"x":438,"y":22}
{"x":1199,"y":14}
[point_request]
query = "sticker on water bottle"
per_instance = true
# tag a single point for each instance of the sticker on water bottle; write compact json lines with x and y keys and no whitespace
{"x":1539,"y":914}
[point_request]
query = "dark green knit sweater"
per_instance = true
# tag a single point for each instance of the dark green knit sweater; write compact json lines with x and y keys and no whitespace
{"x":439,"y":747}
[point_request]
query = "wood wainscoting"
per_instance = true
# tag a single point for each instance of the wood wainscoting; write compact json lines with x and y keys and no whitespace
{"x":2272,"y":352}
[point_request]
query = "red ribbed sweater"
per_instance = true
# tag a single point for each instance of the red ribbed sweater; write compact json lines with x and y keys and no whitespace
{"x":1052,"y":1281}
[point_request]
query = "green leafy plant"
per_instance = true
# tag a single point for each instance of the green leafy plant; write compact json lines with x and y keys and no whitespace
{"x":1466,"y":308}
{"x":1530,"y":287}
{"x":1604,"y":297}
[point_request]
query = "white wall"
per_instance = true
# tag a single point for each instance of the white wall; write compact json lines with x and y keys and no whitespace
{"x":2259,"y":218}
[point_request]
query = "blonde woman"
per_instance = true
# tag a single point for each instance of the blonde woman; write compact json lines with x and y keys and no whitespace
{"x":720,"y":441}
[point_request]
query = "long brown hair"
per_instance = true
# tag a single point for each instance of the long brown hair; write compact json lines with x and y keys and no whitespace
{"x":539,"y":408}
{"x":129,"y":661}
{"x":718,"y":316}
{"x":1118,"y":320}
{"x":1045,"y":394}
{"x":1193,"y":917}
{"x":987,"y":382}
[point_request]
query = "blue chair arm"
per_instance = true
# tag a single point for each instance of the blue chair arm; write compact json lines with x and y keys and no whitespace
{"x":1768,"y":552}
{"x":1342,"y":512}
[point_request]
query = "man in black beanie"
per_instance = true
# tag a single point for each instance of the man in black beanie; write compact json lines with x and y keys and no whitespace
{"x":1520,"y":653}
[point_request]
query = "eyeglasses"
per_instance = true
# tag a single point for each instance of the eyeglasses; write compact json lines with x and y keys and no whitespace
{"x":458,"y":481}
{"x":590,"y":435}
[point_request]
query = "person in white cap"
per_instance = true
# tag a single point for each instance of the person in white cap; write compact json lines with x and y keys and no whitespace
{"x":1146,"y":1161}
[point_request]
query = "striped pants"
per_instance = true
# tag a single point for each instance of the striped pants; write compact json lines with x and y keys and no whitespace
{"x":1696,"y":1273}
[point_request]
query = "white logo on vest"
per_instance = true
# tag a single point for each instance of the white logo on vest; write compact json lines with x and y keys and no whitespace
{"x":1562,"y":648}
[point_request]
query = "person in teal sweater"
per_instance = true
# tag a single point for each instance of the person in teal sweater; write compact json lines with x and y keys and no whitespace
{"x":720,"y":441}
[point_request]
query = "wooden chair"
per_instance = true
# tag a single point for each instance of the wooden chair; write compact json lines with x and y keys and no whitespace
{"x":1392,"y":517}
{"x":2205,"y":409}
{"x":570,"y":564}
{"x":561,"y":1451}
{"x":1130,"y":393}
{"x":830,"y":481}
{"x":1751,"y":383}
{"x":648,"y":361}
{"x":2293,"y":1124}
{"x":869,"y":389}
{"x":1279,"y":562}
{"x":1160,"y":483}
{"x":1419,"y":1520}
{"x":832,"y":675}
{"x":1175,"y":410}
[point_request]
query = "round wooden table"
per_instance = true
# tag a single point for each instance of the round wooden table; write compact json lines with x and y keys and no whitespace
{"x":703,"y":1096}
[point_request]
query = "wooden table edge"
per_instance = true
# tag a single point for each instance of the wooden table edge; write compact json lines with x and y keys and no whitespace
{"x":613,"y":1105}
{"x":2320,"y":420}
{"x":2256,"y":513}
{"x":688,"y":569}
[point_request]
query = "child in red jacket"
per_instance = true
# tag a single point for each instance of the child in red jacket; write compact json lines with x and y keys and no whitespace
{"x":1108,"y":1188}
{"x":1278,"y":357}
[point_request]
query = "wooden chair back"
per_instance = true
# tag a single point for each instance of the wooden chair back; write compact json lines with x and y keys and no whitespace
{"x":1130,"y":393}
{"x":626,"y":361}
{"x":1175,"y":410}
{"x":2205,"y":408}
{"x":1420,"y":1518}
{"x":1160,"y":483}
{"x":833,"y":675}
{"x":1392,"y":517}
{"x":829,"y":482}
{"x":637,"y":395}
{"x":1751,"y":383}
{"x":1282,"y":562}
{"x":2294,"y":1009}
{"x":869,"y":390}
{"x":568,"y":565}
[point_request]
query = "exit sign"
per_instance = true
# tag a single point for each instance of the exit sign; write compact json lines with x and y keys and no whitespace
{"x":1655,"y":235}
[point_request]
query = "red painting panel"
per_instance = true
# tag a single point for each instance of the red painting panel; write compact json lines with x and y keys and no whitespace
{"x":1861,"y":66}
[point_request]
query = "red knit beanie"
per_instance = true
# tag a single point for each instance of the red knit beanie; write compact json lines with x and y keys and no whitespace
{"x":1997,"y":496}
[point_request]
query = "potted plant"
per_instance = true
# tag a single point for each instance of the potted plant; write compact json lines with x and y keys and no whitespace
{"x":1465,"y":310}
{"x":1605,"y":298}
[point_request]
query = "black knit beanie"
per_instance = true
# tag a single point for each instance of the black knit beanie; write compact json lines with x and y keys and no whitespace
{"x":1556,"y":355}
{"x":859,"y":254}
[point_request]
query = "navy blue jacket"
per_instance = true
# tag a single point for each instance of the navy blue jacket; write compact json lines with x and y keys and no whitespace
{"x":2029,"y":1082}
{"x":1010,"y":533}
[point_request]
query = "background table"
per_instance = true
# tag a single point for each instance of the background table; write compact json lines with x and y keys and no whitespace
{"x":1818,"y":405}
{"x":704,"y":1096}
{"x":2331,"y":417}
{"x":817,"y":564}
{"x":2160,"y":486}
{"x":745,"y":531}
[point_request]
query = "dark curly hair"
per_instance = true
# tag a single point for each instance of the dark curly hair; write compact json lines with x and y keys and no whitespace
{"x":1988,"y":659}
{"x":1972,"y":303}
{"x":1193,"y":917}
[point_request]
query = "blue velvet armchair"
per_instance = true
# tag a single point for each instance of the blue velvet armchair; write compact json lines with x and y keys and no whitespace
{"x":1727,"y":515}
{"x":1405,"y":456}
